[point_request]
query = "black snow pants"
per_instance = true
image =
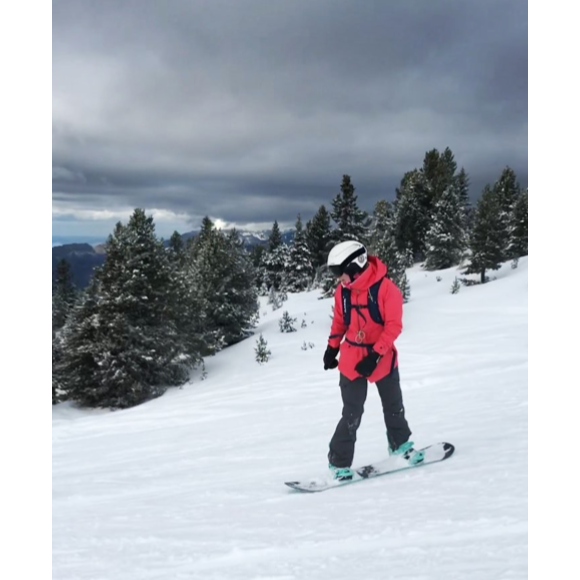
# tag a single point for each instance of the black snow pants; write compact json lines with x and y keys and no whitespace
{"x":354,"y":394}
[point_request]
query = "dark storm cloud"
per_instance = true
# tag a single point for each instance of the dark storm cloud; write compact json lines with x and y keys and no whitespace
{"x":253,"y":110}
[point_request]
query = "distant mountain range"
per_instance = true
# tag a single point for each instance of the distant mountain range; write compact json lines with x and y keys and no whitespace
{"x":83,"y":258}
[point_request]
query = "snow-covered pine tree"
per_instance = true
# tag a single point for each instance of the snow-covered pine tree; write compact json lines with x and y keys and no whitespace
{"x":519,"y":229}
{"x":301,"y":270}
{"x":286,"y":323}
{"x":122,"y":346}
{"x":446,"y":239}
{"x":381,"y":225}
{"x":487,"y":241}
{"x":412,"y":214}
{"x":256,"y":257}
{"x":205,"y":233}
{"x":223,"y":276}
{"x":56,"y":356}
{"x":262,"y":351}
{"x":351,"y":222}
{"x":274,"y":299}
{"x":276,"y":264}
{"x":64,"y":295}
{"x":256,"y":252}
{"x":189,"y":307}
{"x":326,"y":282}
{"x":438,"y":170}
{"x":462,"y":184}
{"x":449,"y":167}
{"x":76,"y":369}
{"x":275,"y":237}
{"x":244,"y":297}
{"x":64,"y":298}
{"x":507,"y":190}
{"x":456,"y":286}
{"x":382,"y":244}
{"x":416,"y":198}
{"x":178,"y":255}
{"x":319,"y":237}
{"x":57,"y":389}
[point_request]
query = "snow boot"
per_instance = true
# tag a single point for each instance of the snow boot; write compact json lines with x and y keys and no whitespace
{"x":341,"y":473}
{"x":406,"y":451}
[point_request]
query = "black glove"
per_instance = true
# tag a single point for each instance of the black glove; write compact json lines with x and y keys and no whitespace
{"x":368,"y":364}
{"x":330,"y":361}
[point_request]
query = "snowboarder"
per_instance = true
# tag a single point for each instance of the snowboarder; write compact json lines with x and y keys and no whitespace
{"x":368,"y":312}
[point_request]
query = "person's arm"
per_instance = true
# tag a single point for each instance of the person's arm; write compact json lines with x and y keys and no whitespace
{"x":338,"y":328}
{"x":392,"y":312}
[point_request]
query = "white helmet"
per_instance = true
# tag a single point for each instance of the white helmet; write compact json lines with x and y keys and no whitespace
{"x":347,"y":258}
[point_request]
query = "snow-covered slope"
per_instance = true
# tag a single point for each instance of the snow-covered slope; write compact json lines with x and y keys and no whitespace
{"x":190,"y":486}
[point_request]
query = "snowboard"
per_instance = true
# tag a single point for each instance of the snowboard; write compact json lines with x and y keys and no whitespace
{"x":393,"y":464}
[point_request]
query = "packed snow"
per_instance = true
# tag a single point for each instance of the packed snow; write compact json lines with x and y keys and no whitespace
{"x":191,"y":485}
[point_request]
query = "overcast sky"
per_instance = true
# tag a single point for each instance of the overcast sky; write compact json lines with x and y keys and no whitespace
{"x":252,"y":110}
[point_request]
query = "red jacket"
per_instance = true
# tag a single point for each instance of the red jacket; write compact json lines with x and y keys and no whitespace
{"x":382,"y":337}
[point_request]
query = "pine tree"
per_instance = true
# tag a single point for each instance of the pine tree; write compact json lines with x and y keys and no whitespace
{"x":257,"y":257}
{"x":327,"y":283}
{"x":519,"y":226}
{"x":64,"y":298}
{"x":189,"y":309}
{"x":446,"y":239}
{"x":439,"y":172}
{"x":381,"y":224}
{"x":447,"y":172}
{"x":224,"y":279}
{"x":320,"y":241}
{"x":507,"y":190}
{"x":263,"y":353}
{"x":76,"y":360}
{"x":383,"y":245}
{"x":301,"y":269}
{"x":412,"y":213}
{"x":56,"y":361}
{"x":275,"y":238}
{"x":396,"y":267}
{"x":319,"y":237}
{"x":275,"y":265}
{"x":177,"y":247}
{"x":64,"y":295}
{"x":122,"y":346}
{"x":487,"y":243}
{"x":243,"y":296}
{"x":275,"y":299}
{"x":256,"y":253}
{"x":463,"y":186}
{"x":417,"y":196}
{"x":286,"y":323}
{"x":274,"y":261}
{"x":351,"y":222}
{"x":206,"y":231}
